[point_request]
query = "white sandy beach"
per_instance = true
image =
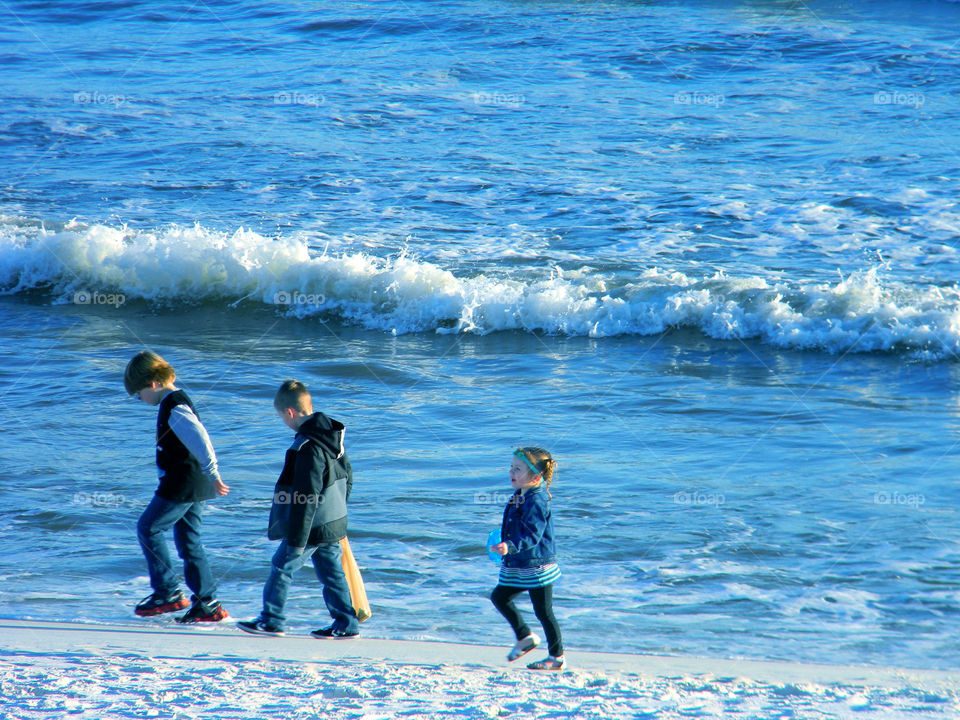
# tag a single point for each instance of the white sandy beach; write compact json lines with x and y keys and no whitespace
{"x":53,"y":670}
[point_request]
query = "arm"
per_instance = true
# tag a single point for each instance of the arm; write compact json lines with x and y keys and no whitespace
{"x":189,"y":430}
{"x":349,"y":479}
{"x":308,"y":477}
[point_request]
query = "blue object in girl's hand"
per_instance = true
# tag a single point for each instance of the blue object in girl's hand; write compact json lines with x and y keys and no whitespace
{"x":492,"y":539}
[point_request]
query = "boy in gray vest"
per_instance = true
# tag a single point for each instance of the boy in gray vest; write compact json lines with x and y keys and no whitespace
{"x":308,"y":516}
{"x":187,"y":470}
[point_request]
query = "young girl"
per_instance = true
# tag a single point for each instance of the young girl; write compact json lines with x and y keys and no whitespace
{"x":529,"y":557}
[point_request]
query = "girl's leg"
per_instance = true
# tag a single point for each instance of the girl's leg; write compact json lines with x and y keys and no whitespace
{"x":502,"y":599}
{"x":542,"y":599}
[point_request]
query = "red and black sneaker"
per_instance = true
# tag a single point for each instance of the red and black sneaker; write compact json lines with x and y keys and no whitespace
{"x":159,"y":604}
{"x":204,"y":611}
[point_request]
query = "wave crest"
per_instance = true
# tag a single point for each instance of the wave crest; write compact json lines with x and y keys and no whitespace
{"x":860,"y":313}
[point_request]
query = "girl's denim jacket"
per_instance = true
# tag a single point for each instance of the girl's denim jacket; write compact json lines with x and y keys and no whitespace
{"x":528,"y":530}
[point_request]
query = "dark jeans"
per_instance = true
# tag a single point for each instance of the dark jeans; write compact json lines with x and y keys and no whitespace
{"x":326,"y":562}
{"x":542,"y":598}
{"x":186,"y":521}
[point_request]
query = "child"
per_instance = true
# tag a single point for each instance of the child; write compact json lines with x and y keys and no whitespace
{"x":187,"y":468}
{"x":308,"y":516}
{"x":529,"y":556}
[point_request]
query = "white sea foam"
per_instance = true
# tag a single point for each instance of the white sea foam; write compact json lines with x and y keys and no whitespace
{"x":862,"y":312}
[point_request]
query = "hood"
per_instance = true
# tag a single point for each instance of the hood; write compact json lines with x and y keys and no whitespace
{"x":325,"y":431}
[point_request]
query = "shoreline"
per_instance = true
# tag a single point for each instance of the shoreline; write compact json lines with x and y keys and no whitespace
{"x":226,"y":642}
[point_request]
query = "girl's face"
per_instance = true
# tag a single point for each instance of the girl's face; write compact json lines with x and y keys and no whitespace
{"x":521,"y":477}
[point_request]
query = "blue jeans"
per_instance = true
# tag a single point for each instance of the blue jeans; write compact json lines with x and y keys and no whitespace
{"x":186,"y":521}
{"x":326,"y":562}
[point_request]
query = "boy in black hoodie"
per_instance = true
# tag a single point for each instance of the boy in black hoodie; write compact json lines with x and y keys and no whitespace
{"x":308,"y":516}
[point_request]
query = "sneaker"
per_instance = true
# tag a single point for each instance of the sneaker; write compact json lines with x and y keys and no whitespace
{"x":259,"y":627}
{"x":204,"y":611}
{"x":522,"y":647}
{"x":333,"y":632}
{"x":548,"y":663}
{"x":156,"y":604}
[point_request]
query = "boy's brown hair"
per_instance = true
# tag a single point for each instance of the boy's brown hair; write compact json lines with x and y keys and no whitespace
{"x":293,"y":394}
{"x":147,"y":367}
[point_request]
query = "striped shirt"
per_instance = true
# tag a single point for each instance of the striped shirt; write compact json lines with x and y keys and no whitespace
{"x":533,"y":577}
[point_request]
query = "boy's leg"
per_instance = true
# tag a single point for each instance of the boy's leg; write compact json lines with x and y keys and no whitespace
{"x":542,"y":599}
{"x":286,"y":561}
{"x":336,"y":591}
{"x":502,"y":599}
{"x":196,"y":569}
{"x":159,"y":517}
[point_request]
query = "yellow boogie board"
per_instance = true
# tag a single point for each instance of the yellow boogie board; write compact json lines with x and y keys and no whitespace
{"x":358,"y":594}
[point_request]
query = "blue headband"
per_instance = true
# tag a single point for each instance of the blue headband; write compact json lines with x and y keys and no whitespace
{"x":533,"y":468}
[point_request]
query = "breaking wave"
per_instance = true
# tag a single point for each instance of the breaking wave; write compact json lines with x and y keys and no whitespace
{"x":863,"y":312}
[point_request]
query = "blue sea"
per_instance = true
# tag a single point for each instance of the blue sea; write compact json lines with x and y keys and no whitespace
{"x":707,"y":253}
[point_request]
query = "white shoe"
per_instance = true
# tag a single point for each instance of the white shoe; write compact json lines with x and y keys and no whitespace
{"x":549,"y":663}
{"x":522,"y":647}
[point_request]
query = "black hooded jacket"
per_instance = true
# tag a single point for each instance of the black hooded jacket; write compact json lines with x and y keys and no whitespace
{"x":310,"y":498}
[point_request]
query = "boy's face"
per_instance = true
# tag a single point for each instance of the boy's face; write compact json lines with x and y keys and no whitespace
{"x":288,"y":415}
{"x":151,"y":394}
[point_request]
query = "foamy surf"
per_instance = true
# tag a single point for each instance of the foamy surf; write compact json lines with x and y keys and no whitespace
{"x":98,"y":264}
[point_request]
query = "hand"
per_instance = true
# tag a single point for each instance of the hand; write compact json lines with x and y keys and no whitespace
{"x":499,"y":548}
{"x":219,"y":487}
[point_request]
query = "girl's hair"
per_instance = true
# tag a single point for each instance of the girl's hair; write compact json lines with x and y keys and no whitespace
{"x":543,"y":461}
{"x":146,"y":367}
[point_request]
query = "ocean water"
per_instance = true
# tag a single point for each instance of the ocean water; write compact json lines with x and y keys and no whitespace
{"x":707,"y":253}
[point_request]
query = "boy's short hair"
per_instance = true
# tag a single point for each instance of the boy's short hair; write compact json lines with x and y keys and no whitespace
{"x":146,"y":367}
{"x":293,"y":394}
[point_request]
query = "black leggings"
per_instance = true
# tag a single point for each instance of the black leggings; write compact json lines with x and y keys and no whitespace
{"x":542,"y":598}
